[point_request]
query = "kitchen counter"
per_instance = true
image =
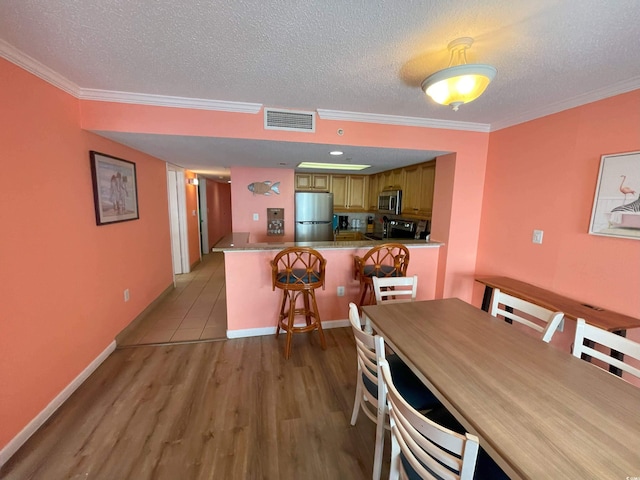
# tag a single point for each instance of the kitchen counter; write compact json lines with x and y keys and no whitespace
{"x":239,"y":241}
{"x":253,"y":306}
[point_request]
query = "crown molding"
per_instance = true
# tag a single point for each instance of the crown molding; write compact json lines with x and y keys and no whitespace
{"x":577,"y":101}
{"x":168,"y":101}
{"x":31,"y":65}
{"x":404,"y":121}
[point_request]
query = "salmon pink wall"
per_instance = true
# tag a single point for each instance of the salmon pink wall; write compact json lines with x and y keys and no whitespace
{"x":245,"y":203}
{"x":542,"y":175}
{"x":262,"y":311}
{"x":219,"y":215}
{"x":63,"y":276}
{"x":193,"y":220}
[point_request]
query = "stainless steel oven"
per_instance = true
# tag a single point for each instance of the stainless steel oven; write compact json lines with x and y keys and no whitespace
{"x":399,"y":228}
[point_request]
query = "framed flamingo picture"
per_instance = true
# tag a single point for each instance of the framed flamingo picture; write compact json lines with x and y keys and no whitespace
{"x":616,"y":205}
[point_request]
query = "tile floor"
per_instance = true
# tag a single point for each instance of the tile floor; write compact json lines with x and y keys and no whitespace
{"x":196,"y":310}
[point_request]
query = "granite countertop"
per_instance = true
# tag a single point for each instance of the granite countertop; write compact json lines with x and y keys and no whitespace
{"x":240,"y":241}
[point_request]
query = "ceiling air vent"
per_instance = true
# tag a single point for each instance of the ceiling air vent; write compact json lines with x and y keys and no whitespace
{"x":289,"y":120}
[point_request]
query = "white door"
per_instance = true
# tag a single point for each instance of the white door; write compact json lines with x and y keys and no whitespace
{"x":178,"y":220}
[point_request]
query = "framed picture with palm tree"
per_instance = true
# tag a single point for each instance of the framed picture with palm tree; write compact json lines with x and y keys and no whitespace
{"x":616,"y":205}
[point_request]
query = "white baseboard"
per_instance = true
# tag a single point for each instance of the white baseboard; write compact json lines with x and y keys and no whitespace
{"x":19,"y":440}
{"x":257,"y":332}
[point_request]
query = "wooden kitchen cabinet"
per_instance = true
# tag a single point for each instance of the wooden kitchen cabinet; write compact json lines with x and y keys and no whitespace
{"x":384,"y":180}
{"x":411,"y":190}
{"x":348,"y":236}
{"x":396,"y":178}
{"x":417,"y":190}
{"x":349,"y":192}
{"x":374,"y":190}
{"x":312,"y":182}
{"x":428,"y":180}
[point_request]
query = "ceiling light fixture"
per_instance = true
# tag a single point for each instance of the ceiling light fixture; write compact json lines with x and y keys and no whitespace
{"x":332,"y":166}
{"x":336,"y":152}
{"x":460,"y":82}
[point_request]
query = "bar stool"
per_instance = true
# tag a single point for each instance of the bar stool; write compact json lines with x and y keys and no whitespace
{"x":385,"y":260}
{"x":298,"y":271}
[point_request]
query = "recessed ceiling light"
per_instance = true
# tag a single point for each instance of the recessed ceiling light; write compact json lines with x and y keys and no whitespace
{"x":332,"y":166}
{"x":336,"y":152}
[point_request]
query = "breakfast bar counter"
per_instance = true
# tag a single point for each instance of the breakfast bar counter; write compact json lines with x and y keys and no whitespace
{"x":240,"y":241}
{"x":253,"y":306}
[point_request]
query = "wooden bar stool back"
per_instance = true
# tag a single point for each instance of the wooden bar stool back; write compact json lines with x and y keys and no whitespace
{"x":298,"y":271}
{"x":385,"y":260}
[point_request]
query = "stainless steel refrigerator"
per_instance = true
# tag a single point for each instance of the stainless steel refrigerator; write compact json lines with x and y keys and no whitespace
{"x":314,"y":217}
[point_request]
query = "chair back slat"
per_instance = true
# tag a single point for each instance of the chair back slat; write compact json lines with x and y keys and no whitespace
{"x":432,"y":450}
{"x":551,"y":321}
{"x":365,"y":350}
{"x":395,"y":289}
{"x":609,"y":340}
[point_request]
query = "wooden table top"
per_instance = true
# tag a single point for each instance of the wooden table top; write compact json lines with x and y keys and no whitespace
{"x":605,"y":319}
{"x":538,"y":411}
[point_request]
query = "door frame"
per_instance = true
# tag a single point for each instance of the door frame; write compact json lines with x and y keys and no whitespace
{"x":177,"y":204}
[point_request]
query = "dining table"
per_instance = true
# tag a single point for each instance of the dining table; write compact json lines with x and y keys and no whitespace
{"x":538,"y":411}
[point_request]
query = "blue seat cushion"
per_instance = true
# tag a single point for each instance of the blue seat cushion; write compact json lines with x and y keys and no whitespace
{"x":298,"y":275}
{"x":410,"y":387}
{"x":382,"y":271}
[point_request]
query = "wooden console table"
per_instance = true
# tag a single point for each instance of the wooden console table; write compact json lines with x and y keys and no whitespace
{"x":605,"y":319}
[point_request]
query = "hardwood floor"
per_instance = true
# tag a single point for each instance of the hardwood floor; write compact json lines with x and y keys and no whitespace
{"x":233,"y":409}
{"x":195,"y":310}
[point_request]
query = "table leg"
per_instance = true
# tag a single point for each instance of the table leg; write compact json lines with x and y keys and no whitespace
{"x":486,"y":299}
{"x":617,"y":355}
{"x":614,"y":353}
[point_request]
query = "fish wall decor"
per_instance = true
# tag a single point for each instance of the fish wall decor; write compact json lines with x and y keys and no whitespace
{"x":264,"y":188}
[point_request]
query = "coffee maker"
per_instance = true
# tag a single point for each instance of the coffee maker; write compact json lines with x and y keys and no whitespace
{"x":343,"y":222}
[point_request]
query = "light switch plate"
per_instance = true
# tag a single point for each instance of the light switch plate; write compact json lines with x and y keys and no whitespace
{"x":256,"y":217}
{"x":537,"y":236}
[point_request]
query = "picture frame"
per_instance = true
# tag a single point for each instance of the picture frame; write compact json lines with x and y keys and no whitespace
{"x":616,"y":205}
{"x":115,"y":189}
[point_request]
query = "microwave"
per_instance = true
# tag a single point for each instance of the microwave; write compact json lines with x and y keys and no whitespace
{"x":390,"y":201}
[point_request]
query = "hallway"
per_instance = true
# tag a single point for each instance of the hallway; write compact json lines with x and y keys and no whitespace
{"x":195,"y":311}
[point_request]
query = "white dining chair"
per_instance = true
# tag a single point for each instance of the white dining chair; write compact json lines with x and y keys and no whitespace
{"x":370,"y":394}
{"x":503,"y":304}
{"x":610,"y":341}
{"x":421,"y":447}
{"x":395,"y":289}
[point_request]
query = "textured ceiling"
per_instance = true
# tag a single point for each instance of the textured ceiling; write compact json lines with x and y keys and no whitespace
{"x":367,"y":57}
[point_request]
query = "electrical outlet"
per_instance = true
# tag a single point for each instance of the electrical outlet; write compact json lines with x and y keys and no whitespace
{"x":256,"y":217}
{"x":341,"y":291}
{"x":537,"y":236}
{"x":126,"y":294}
